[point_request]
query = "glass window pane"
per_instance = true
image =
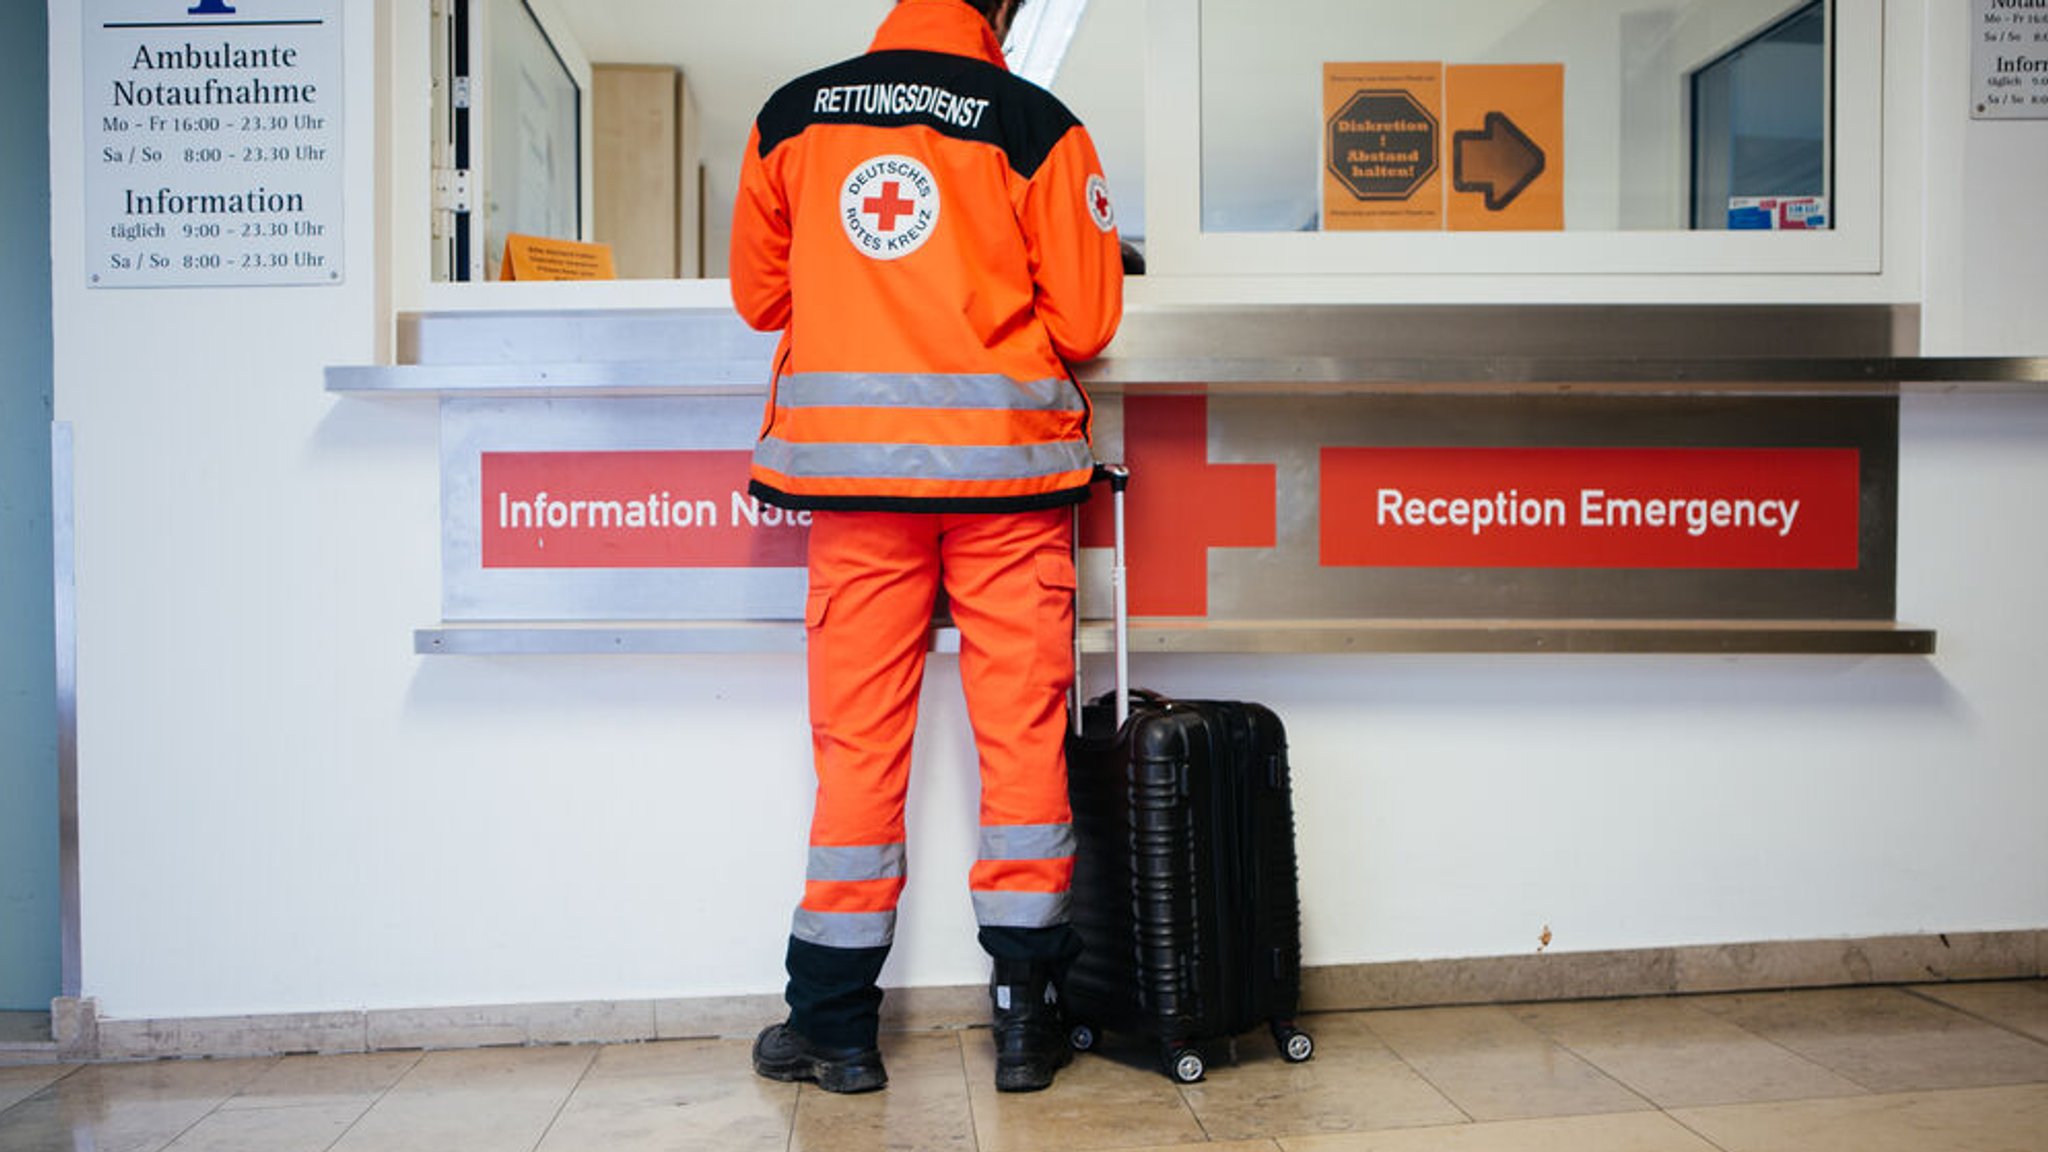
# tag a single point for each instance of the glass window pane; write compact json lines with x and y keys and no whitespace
{"x":1760,"y":120}
{"x":1622,"y":159}
{"x":534,"y":184}
{"x":730,"y":59}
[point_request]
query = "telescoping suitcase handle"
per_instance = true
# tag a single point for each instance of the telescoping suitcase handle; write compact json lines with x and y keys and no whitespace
{"x":1119,"y":478}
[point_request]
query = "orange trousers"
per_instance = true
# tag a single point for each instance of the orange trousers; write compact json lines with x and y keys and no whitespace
{"x":874,"y":578}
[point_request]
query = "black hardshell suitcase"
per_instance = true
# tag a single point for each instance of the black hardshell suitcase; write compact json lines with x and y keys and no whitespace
{"x":1185,"y":892}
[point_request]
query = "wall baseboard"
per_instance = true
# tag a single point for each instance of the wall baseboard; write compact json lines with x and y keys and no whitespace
{"x":1931,"y":959}
{"x":81,"y":1033}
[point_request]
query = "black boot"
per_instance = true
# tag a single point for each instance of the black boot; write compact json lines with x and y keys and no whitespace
{"x":834,"y":1015}
{"x":783,"y":1053}
{"x":1030,"y":1031}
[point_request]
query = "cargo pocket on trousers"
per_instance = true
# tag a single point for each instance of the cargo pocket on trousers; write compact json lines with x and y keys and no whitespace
{"x":1056,"y":582}
{"x":815,"y":604}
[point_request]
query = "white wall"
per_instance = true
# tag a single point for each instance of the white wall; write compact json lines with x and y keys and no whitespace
{"x":284,"y":809}
{"x":241,"y":541}
{"x":1972,"y":541}
{"x":1985,"y":227}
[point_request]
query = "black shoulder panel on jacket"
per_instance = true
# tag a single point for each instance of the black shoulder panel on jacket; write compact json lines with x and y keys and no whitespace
{"x":960,"y":96}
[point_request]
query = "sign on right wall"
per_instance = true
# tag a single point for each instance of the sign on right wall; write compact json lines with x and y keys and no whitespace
{"x":2009,"y":60}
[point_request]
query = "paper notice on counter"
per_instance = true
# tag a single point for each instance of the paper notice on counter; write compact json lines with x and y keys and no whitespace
{"x":541,"y":258}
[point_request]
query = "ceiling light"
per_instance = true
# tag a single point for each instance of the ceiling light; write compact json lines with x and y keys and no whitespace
{"x":1040,"y":37}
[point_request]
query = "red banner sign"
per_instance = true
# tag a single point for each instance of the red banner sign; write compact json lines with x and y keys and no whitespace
{"x":1718,"y":508}
{"x":632,"y":510}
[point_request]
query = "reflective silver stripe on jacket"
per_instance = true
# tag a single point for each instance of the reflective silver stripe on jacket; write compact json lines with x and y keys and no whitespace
{"x":926,"y":390}
{"x":1027,"y":841}
{"x":1020,"y":909}
{"x":863,"y":862}
{"x":924,"y":461}
{"x":844,"y":929}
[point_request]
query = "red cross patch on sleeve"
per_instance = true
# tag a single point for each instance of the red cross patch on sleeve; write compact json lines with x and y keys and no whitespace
{"x":1100,"y":209}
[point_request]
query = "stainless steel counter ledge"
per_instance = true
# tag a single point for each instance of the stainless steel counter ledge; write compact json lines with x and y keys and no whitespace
{"x":1486,"y":350}
{"x":1309,"y":375}
{"x":1271,"y":637}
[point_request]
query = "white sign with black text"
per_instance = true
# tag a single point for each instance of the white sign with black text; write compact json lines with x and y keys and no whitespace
{"x":2009,"y":60}
{"x":213,"y":132}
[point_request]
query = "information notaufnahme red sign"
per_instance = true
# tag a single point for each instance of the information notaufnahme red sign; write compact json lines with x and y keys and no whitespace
{"x":680,"y":509}
{"x":1707,"y":508}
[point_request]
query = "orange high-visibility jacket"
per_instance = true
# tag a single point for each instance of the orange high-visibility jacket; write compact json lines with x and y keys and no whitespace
{"x":934,"y":237}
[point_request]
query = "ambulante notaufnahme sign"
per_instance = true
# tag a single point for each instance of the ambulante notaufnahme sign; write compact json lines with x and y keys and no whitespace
{"x":213,"y":143}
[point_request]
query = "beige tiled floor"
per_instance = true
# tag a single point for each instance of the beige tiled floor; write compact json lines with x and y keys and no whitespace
{"x":1951,"y":1067}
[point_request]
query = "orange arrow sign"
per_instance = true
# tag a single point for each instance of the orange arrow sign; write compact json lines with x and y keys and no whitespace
{"x":1504,"y":154}
{"x":1499,"y":161}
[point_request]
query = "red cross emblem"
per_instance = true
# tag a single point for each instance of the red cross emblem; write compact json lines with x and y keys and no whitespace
{"x":1100,"y":209}
{"x":1166,"y":444}
{"x":887,"y":207}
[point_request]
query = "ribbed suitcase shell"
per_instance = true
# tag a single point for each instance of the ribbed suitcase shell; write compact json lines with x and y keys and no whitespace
{"x":1185,"y":889}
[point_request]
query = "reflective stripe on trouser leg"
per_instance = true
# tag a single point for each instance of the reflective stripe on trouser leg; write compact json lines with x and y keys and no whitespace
{"x":850,"y":897}
{"x":1010,"y":580}
{"x":873,"y":577}
{"x":1023,"y":875}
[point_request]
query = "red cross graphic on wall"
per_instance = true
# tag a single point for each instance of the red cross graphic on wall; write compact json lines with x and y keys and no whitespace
{"x":1180,"y":505}
{"x":887,"y":207}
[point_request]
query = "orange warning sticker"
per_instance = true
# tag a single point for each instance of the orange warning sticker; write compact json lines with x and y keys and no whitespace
{"x":1382,"y":147}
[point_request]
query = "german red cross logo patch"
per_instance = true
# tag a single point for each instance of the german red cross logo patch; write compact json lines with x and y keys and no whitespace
{"x":889,"y":206}
{"x":1100,"y":209}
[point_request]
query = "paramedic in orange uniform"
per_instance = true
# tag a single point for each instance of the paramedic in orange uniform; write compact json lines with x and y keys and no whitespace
{"x":934,"y":239}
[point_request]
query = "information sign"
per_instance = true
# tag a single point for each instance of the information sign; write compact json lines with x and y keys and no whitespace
{"x":2009,"y":60}
{"x":632,"y":509}
{"x":1617,"y":508}
{"x":1326,"y":508}
{"x":213,"y":133}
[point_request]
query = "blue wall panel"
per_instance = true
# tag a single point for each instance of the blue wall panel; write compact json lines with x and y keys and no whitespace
{"x":30,"y":931}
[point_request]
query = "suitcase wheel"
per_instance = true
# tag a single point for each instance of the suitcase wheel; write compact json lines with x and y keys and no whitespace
{"x":1081,"y":1038}
{"x":1185,"y":1065}
{"x":1296,"y":1046}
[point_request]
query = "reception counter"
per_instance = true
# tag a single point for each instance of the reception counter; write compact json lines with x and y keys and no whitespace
{"x":1324,"y":479}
